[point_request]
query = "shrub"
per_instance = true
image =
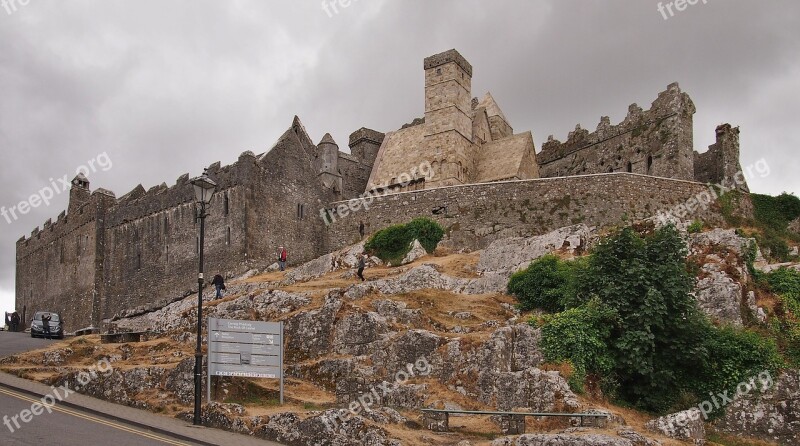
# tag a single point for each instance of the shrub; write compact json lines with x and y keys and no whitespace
{"x":428,"y":232}
{"x":695,"y":227}
{"x":391,"y":244}
{"x":580,"y":336}
{"x":548,"y":283}
{"x":775,"y":212}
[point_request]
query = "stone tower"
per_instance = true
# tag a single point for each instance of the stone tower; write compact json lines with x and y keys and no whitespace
{"x":329,"y":163}
{"x":448,"y":117}
{"x":79,"y":194}
{"x":364,"y":145}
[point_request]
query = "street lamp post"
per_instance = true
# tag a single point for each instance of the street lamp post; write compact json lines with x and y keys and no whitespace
{"x":203,"y":191}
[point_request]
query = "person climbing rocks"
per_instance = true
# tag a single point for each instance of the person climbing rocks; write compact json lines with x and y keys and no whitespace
{"x":219,"y":284}
{"x":362,"y":262}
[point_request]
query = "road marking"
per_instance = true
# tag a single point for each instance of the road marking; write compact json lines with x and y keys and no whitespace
{"x":96,"y":419}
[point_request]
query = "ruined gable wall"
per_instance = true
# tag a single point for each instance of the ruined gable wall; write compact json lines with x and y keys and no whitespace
{"x":287,"y":197}
{"x":656,"y":142}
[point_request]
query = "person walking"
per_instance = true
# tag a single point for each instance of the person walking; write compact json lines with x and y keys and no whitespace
{"x":362,"y":262}
{"x":282,"y":256}
{"x":46,"y":325}
{"x":361,"y":229}
{"x":15,"y":321}
{"x":219,"y":284}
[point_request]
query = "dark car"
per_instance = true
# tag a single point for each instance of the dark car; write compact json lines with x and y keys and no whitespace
{"x":56,"y":325}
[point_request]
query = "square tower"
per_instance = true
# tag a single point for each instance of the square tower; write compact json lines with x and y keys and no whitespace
{"x":448,"y":117}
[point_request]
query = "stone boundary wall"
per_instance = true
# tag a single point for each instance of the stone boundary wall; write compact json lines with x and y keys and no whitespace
{"x":475,"y":215}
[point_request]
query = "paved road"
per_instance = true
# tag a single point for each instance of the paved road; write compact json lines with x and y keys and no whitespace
{"x":13,"y":343}
{"x":65,"y":426}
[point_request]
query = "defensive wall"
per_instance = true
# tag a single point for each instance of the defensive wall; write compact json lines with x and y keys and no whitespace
{"x":477,"y":214}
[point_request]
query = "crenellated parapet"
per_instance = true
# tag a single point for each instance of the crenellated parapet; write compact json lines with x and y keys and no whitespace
{"x":657,"y":141}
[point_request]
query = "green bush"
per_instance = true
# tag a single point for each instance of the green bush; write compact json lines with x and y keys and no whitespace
{"x":695,"y":227}
{"x":785,"y":282}
{"x":391,"y":244}
{"x":428,"y":232}
{"x":580,"y":336}
{"x":775,"y":212}
{"x":736,"y":356}
{"x":549,"y":284}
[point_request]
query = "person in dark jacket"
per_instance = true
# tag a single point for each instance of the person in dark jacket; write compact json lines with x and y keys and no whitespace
{"x":219,"y":284}
{"x":46,"y":325}
{"x":362,"y":261}
{"x":15,"y":321}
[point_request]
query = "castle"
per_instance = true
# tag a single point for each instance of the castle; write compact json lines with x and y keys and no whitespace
{"x":107,"y":254}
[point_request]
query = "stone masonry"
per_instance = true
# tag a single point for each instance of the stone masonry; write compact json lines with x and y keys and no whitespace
{"x":106,"y":254}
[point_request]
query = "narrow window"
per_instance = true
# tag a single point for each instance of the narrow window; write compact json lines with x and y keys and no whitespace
{"x":630,"y":167}
{"x":228,"y":236}
{"x":649,"y":165}
{"x":62,"y":252}
{"x":226,"y":208}
{"x":166,"y":224}
{"x":138,"y":260}
{"x":197,"y":246}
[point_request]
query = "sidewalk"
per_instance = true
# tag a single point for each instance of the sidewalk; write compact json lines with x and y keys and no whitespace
{"x":172,"y":427}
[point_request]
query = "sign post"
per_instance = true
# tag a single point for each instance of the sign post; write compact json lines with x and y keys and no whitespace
{"x":251,"y":349}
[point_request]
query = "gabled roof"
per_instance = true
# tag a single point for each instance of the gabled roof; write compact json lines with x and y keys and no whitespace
{"x":492,"y":109}
{"x":506,"y":158}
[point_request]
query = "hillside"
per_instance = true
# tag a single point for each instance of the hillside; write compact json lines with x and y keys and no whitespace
{"x":444,"y":318}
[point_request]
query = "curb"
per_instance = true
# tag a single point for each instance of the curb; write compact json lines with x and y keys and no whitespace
{"x":113,"y":417}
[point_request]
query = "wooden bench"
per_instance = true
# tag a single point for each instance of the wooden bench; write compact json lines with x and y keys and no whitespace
{"x":511,"y":423}
{"x":119,"y":338}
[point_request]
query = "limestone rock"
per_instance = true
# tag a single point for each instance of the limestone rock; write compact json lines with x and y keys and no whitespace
{"x":794,"y":226}
{"x":562,"y":440}
{"x":309,"y":334}
{"x":770,"y":413}
{"x":416,"y":252}
{"x":355,"y":333}
{"x":636,"y":438}
{"x":398,"y":312}
{"x":507,"y":256}
{"x":720,"y":296}
{"x":686,"y":425}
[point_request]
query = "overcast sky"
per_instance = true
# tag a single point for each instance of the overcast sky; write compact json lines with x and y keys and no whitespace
{"x":165,"y":88}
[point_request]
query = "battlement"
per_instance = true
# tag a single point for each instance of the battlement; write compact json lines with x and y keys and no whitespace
{"x":669,"y":103}
{"x":365,"y":134}
{"x":446,"y":57}
{"x":655,"y":142}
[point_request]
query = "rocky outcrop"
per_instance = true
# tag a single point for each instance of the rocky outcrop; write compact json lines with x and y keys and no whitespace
{"x":720,"y":288}
{"x":770,"y":415}
{"x":309,"y":334}
{"x":686,"y":426}
{"x":794,"y":226}
{"x":417,"y":252}
{"x":336,"y":426}
{"x":343,"y":259}
{"x":562,"y":440}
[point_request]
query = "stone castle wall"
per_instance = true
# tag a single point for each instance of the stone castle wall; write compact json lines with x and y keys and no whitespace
{"x":656,"y":142}
{"x":475,"y":215}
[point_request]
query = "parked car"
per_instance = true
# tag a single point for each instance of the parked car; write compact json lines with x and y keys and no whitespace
{"x":56,"y":325}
